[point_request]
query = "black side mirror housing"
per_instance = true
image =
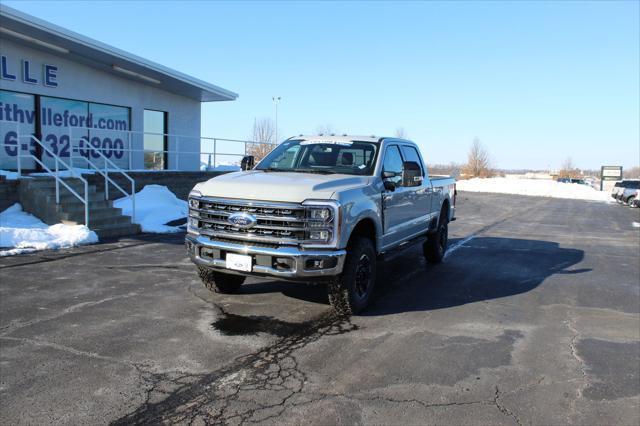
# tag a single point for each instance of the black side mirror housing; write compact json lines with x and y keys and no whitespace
{"x":411,"y":174}
{"x":389,"y":185}
{"x":247,"y":162}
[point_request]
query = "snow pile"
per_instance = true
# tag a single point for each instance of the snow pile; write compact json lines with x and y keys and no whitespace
{"x":155,"y":206}
{"x":22,"y":233}
{"x":534,"y":187}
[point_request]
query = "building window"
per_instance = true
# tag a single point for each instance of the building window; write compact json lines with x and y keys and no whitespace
{"x":75,"y":131}
{"x":17,"y":124}
{"x":155,"y":140}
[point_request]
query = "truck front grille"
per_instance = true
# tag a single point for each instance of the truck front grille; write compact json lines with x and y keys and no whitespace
{"x":275,"y":223}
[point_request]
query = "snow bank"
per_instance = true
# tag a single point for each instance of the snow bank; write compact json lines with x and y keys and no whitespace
{"x":22,"y":232}
{"x":534,"y":187}
{"x":155,"y":206}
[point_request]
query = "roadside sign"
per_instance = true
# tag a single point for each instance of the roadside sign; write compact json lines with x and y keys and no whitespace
{"x":610,"y":173}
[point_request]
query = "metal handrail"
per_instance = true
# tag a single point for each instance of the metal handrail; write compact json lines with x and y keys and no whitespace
{"x":105,"y":173}
{"x":56,"y":174}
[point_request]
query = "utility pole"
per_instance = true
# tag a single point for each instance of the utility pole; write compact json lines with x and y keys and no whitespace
{"x":276,"y":101}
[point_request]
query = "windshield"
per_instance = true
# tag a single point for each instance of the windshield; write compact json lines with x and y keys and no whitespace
{"x":326,"y":157}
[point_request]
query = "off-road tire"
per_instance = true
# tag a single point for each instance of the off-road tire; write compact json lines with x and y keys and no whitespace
{"x":348,"y":294}
{"x":219,"y":282}
{"x":435,"y":247}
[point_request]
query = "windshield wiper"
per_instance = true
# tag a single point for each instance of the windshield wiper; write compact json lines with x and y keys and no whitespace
{"x":318,"y":171}
{"x":274,"y":169}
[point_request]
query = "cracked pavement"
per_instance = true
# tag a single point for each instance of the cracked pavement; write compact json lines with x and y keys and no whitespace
{"x":534,"y":318}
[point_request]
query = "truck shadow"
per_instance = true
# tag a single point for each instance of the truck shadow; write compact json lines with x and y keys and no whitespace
{"x":484,"y":268}
{"x":481,"y":269}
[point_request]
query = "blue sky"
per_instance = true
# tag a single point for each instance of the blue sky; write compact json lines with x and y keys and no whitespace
{"x":536,"y":82}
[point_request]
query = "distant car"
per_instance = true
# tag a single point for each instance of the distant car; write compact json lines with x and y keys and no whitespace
{"x":564,"y":180}
{"x":617,"y":189}
{"x":578,"y":181}
{"x":627,"y":194}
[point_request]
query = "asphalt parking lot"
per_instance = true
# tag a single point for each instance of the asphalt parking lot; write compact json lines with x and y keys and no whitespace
{"x":533,"y":318}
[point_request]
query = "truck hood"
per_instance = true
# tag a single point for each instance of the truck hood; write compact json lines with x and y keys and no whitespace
{"x":278,"y":186}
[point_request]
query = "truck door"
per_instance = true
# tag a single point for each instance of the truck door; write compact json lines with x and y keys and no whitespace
{"x":423,"y":197}
{"x":398,"y":205}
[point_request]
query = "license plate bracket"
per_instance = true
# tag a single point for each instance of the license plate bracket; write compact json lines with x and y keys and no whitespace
{"x":238,"y":262}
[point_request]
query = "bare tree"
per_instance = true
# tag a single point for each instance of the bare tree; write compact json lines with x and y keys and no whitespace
{"x":326,"y":129}
{"x":263,"y":136}
{"x":632,"y":173}
{"x":401,"y":133}
{"x":451,"y":169}
{"x":568,"y":169}
{"x":478,"y":161}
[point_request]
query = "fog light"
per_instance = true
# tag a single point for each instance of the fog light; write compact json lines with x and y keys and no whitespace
{"x":319,"y":235}
{"x":194,"y":203}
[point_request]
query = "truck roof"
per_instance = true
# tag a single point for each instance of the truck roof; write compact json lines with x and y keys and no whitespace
{"x":343,"y":138}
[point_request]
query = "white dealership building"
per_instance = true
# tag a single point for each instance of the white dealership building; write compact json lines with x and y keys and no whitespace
{"x":69,"y":91}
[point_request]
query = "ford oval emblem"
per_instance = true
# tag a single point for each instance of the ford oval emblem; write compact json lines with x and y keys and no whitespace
{"x":242,"y":220}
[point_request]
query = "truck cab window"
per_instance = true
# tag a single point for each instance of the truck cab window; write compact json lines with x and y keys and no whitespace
{"x":410,"y":154}
{"x":393,"y":163}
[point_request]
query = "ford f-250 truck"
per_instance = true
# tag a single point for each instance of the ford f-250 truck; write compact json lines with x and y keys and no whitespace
{"x":319,"y":208}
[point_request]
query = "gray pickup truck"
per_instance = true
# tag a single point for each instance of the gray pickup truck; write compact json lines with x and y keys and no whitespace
{"x":319,"y":208}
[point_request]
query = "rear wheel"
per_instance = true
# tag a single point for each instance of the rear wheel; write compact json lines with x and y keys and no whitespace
{"x":631,"y":201}
{"x":352,"y":290}
{"x":435,"y":247}
{"x":219,"y":282}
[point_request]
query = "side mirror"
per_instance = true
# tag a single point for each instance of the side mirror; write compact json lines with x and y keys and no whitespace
{"x":389,"y":185}
{"x":389,"y":175}
{"x":247,"y":162}
{"x":411,"y":174}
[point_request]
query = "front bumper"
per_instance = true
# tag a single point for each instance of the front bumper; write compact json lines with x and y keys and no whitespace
{"x":266,"y":261}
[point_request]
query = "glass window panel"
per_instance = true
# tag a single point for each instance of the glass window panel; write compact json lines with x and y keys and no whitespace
{"x":410,"y":154}
{"x":17,"y":121}
{"x":110,"y":125}
{"x":154,"y":140}
{"x":58,"y":118}
{"x":393,"y":163}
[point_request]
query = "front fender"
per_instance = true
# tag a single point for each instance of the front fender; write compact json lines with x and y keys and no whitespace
{"x":359,"y":204}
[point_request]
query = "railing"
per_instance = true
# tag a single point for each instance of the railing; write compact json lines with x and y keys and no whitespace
{"x":105,"y":173}
{"x":55,"y":174}
{"x":210,"y":152}
{"x":126,"y":148}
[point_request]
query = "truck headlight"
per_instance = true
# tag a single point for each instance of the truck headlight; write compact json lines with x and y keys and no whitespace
{"x":323,"y":214}
{"x":322,"y":223}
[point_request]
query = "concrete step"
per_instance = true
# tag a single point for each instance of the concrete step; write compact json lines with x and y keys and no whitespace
{"x":102,"y":222}
{"x":78,"y":215}
{"x":79,"y":188}
{"x":39,"y":199}
{"x":75,"y":204}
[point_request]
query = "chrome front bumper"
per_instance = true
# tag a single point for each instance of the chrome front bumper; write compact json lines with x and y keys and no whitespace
{"x":296,"y":258}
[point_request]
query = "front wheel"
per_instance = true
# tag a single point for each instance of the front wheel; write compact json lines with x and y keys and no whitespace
{"x":351,"y":291}
{"x":435,"y":247}
{"x":219,"y":282}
